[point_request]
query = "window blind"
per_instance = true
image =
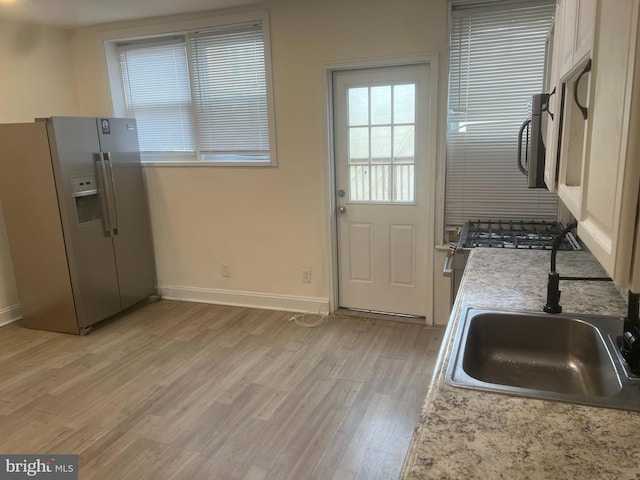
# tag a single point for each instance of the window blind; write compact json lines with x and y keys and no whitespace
{"x":157,"y":93}
{"x":230,"y":94}
{"x":201,"y":95}
{"x":496,"y":63}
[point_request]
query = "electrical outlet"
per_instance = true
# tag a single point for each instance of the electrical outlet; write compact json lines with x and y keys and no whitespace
{"x":225,"y":270}
{"x":306,"y":275}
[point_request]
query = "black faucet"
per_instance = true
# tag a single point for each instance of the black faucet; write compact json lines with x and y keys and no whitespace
{"x":553,"y":285}
{"x":629,"y":342}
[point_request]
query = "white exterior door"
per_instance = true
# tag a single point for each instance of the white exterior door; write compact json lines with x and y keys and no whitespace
{"x":384,"y":228}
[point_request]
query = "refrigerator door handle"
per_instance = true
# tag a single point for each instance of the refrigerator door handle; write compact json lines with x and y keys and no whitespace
{"x":107,"y":156}
{"x":104,"y":200}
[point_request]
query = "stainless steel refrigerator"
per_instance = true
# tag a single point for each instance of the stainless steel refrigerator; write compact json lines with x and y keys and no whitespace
{"x":77,"y":220}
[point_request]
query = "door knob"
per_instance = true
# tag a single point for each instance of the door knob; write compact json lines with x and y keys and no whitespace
{"x":342,"y":210}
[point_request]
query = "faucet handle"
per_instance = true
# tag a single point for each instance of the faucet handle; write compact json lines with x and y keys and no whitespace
{"x":629,"y":343}
{"x":553,"y":294}
{"x":630,"y":350}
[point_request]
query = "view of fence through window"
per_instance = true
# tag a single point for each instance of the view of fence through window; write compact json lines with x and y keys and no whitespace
{"x":381,"y":123}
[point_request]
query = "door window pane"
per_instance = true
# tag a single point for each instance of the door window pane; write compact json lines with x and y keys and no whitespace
{"x":381,"y":105}
{"x":404,"y":144}
{"x":403,"y":183}
{"x":359,"y":183}
{"x":359,"y":145}
{"x":381,"y":183}
{"x":358,"y":106}
{"x":381,"y":144}
{"x":404,"y":103}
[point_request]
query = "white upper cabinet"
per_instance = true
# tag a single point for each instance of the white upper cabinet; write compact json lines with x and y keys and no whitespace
{"x":611,"y":170}
{"x":573,"y":39}
{"x":566,"y":26}
{"x":577,"y":21}
{"x":585,"y":28}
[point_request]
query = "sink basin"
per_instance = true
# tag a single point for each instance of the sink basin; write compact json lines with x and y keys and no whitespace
{"x":556,"y":357}
{"x":562,"y":355}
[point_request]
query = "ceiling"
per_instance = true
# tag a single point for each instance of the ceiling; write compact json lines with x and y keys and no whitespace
{"x":75,"y":13}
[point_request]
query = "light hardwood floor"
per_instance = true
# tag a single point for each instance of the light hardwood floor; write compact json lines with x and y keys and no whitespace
{"x":192,"y":391}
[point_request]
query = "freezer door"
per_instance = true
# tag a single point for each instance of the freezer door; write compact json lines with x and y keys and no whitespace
{"x":132,"y":226}
{"x":81,"y":191}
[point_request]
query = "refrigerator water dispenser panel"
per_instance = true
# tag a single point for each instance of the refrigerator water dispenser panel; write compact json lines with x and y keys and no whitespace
{"x":85,"y":193}
{"x":83,"y":186}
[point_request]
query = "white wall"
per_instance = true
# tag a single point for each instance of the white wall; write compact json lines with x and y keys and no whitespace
{"x":268,"y":223}
{"x":36,"y":80}
{"x":36,"y":73}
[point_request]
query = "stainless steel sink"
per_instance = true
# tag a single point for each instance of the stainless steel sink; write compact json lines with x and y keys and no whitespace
{"x":557,"y":357}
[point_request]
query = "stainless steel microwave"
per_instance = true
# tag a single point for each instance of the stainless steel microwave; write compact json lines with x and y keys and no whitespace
{"x":531,"y":149}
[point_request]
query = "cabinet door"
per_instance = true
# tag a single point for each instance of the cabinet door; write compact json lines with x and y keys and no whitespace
{"x":610,"y":194}
{"x":566,"y":24}
{"x":568,"y":135}
{"x":585,"y":22}
{"x":574,"y":146}
{"x":555,"y":104}
{"x":577,"y":20}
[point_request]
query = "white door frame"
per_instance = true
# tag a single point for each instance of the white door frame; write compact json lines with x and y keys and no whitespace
{"x":432,"y":111}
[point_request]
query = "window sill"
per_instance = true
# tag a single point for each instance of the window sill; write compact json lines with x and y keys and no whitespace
{"x":193,"y":163}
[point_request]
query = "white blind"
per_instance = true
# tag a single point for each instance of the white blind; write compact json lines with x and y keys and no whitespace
{"x":157,"y":93}
{"x":201,"y":95}
{"x":230,"y":94}
{"x":496,"y":64}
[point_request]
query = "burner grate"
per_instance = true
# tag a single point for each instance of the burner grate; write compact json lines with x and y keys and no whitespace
{"x":518,"y":234}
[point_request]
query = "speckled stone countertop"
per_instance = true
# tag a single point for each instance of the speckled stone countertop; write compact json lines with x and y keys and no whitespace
{"x":468,"y":434}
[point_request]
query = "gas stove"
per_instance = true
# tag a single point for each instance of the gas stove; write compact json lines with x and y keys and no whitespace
{"x":517,"y":234}
{"x":514,"y":234}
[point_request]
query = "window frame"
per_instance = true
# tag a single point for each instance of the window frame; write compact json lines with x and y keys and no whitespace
{"x":111,"y":40}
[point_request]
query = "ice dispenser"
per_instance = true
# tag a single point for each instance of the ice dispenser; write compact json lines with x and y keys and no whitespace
{"x":87,"y":200}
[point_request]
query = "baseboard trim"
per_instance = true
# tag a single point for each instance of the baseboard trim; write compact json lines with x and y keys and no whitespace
{"x":9,"y":315}
{"x":268,"y":301}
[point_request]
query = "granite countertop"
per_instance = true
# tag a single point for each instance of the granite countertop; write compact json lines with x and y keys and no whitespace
{"x":467,"y":434}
